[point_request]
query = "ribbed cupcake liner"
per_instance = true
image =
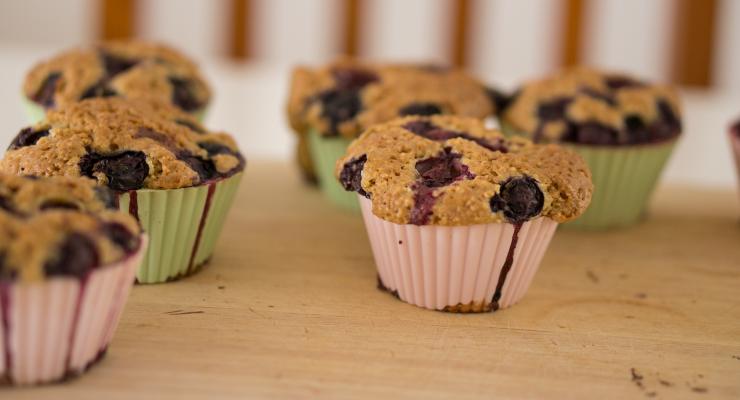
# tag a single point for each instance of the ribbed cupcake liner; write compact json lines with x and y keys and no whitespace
{"x":457,"y":268}
{"x":735,"y":143}
{"x":624,"y":179}
{"x":325,"y":151}
{"x":183,"y":226}
{"x":57,"y":328}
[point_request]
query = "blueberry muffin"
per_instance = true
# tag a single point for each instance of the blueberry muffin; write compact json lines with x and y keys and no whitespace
{"x":735,"y":144}
{"x":165,"y":168}
{"x":67,"y":261}
{"x":458,"y":215}
{"x":331,"y":105}
{"x":624,"y":128}
{"x":130,"y":69}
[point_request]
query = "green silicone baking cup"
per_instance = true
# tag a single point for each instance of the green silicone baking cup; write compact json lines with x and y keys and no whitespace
{"x":623,"y":177}
{"x":183,"y":226}
{"x":325,"y":151}
{"x":35,"y":113}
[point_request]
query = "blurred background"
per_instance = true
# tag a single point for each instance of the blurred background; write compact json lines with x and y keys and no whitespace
{"x":248,"y":47}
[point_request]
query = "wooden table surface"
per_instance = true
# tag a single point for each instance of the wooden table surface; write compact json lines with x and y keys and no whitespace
{"x":288,"y":309}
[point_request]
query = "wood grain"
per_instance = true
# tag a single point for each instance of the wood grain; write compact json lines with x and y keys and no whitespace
{"x":289,"y":309}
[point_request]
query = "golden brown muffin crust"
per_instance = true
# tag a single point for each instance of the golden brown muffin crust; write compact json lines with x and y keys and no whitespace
{"x":39,"y":215}
{"x":587,"y":106}
{"x":154,"y":144}
{"x":459,"y":166}
{"x":131,"y":69}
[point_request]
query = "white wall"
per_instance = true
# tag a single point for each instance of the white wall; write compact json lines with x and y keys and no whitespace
{"x":515,"y":40}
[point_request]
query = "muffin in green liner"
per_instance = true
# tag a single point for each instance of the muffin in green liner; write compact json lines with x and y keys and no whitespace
{"x":325,"y":152}
{"x":624,"y":128}
{"x":330,"y":106}
{"x":123,"y":68}
{"x":167,"y":170}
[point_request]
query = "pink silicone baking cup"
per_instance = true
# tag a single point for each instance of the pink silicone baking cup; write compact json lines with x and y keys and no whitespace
{"x":57,"y":328}
{"x":456,"y":268}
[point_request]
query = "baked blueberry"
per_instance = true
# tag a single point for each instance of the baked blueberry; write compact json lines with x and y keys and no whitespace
{"x":430,"y":131}
{"x":114,"y":64}
{"x":353,"y":78}
{"x":99,"y":89}
{"x":420,"y":109}
{"x":351,"y":175}
{"x":27,"y":137}
{"x":338,"y":106}
{"x":442,"y":170}
{"x":204,"y":167}
{"x":125,"y":171}
{"x":76,"y":256}
{"x":58,"y":205}
{"x":519,"y":198}
{"x":45,"y":93}
{"x":183,"y":94}
{"x":121,"y":236}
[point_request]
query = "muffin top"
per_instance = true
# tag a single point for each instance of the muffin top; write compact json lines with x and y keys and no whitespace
{"x":125,"y":145}
{"x":348,"y":96}
{"x":451,"y":170}
{"x":131,"y":69}
{"x":589,"y":107}
{"x":60,"y":226}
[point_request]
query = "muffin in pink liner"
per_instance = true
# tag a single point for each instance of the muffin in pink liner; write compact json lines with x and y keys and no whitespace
{"x":735,"y":143}
{"x":67,"y":264}
{"x":458,"y":216}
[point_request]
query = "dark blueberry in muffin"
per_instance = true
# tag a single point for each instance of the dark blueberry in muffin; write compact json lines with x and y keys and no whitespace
{"x":622,"y":82}
{"x":430,"y":131}
{"x":553,"y":110}
{"x":668,"y":124}
{"x":121,"y":236}
{"x":637,"y":131}
{"x":339,"y":106}
{"x":352,"y":79}
{"x":27,"y":137}
{"x":76,"y":257}
{"x":205,"y":168}
{"x":99,"y":89}
{"x":193,"y":126}
{"x":351,"y":175}
{"x":114,"y":65}
{"x":214,"y":148}
{"x":442,"y":170}
{"x":605,"y":97}
{"x":500,"y":100}
{"x":519,"y":198}
{"x":5,"y":205}
{"x":423,"y":203}
{"x":125,"y":171}
{"x":182,"y":94}
{"x":59,"y":205}
{"x":420,"y":109}
{"x":45,"y":95}
{"x":595,"y":133}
